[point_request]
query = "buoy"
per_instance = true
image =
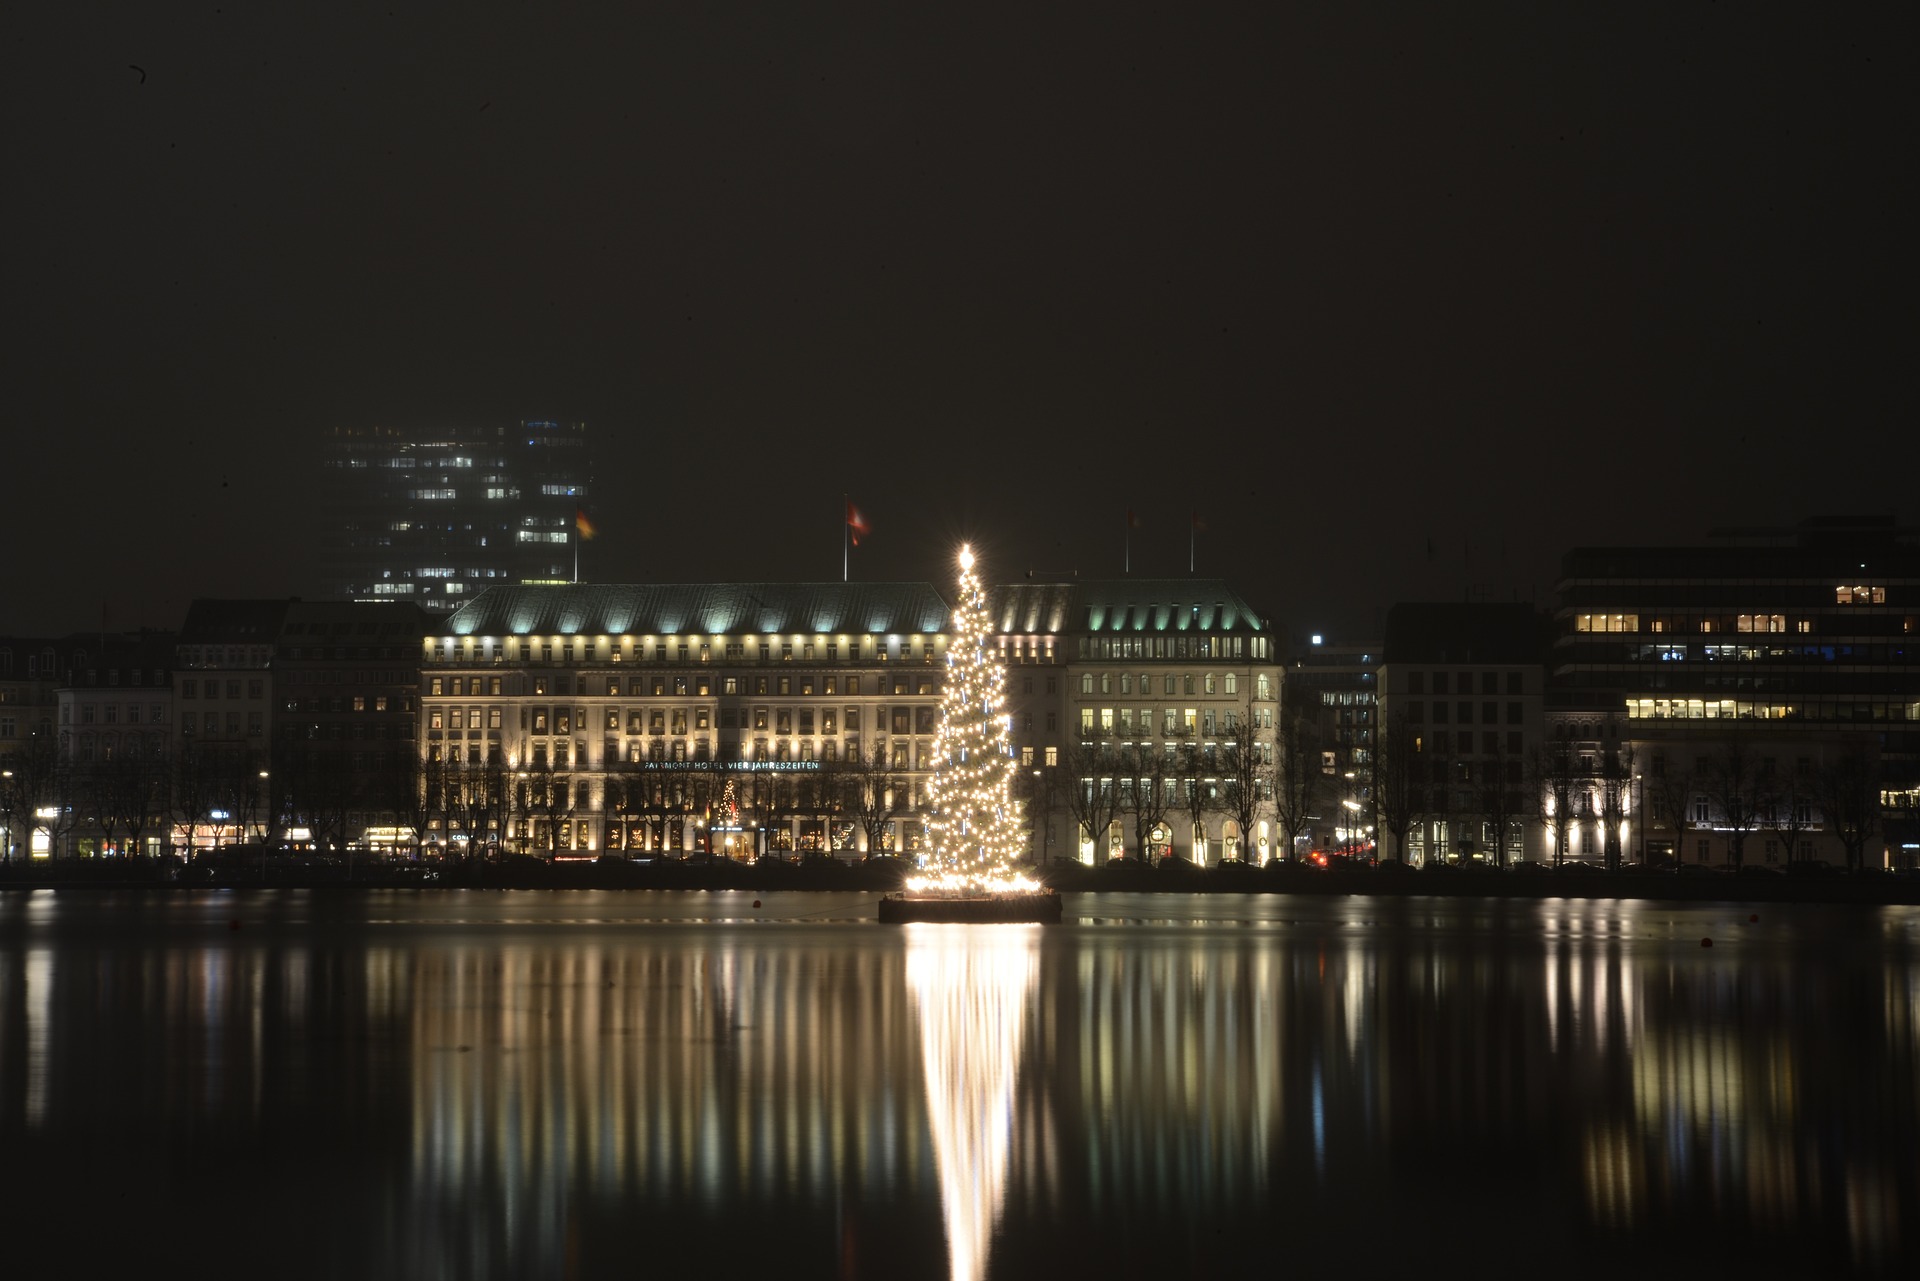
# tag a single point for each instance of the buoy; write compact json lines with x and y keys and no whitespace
{"x":1706,"y":942}
{"x":1752,"y":917}
{"x":234,"y":924}
{"x":756,"y":902}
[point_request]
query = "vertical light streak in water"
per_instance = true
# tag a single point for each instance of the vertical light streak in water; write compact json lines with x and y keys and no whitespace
{"x":39,"y":976}
{"x":971,"y":987}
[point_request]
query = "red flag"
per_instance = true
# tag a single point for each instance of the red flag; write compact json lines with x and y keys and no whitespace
{"x":1133,"y":521}
{"x":856,"y":523}
{"x":582,"y":524}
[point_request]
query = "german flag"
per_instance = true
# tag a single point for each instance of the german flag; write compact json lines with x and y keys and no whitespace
{"x":582,"y":525}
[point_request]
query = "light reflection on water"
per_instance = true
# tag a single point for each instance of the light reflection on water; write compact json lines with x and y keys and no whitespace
{"x":481,"y":1085}
{"x":971,"y":987}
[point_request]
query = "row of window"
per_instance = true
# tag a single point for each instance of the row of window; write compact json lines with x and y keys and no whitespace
{"x":699,"y":685}
{"x":210,"y":688}
{"x":1463,"y":682}
{"x":109,"y":713}
{"x":225,"y":655}
{"x":671,"y":649}
{"x":353,"y":703}
{"x":565,"y":754}
{"x":1173,"y":721}
{"x":211,"y":722}
{"x":1213,"y":683}
{"x":1461,"y":713}
{"x":1179,"y":645}
{"x":1694,"y":709}
{"x":681,"y":720}
{"x":103,"y":746}
{"x":1462,"y":742}
{"x":135,"y":675}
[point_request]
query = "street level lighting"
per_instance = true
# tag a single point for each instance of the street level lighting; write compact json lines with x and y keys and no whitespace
{"x":264,"y":829}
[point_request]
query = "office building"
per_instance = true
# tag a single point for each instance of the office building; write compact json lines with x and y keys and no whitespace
{"x":437,"y":517}
{"x":1745,"y":672}
{"x":1460,"y":699}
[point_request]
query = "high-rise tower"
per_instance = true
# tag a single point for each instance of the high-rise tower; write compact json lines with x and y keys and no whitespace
{"x":436,"y":517}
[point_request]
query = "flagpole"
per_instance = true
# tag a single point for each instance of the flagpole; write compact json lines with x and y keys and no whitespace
{"x":1126,"y":545}
{"x":846,"y":536}
{"x":1192,"y":537}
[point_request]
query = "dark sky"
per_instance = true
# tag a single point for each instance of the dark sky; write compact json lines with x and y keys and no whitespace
{"x":1403,"y":302}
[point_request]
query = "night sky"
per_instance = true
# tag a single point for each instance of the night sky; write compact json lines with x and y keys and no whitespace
{"x":1404,"y":303}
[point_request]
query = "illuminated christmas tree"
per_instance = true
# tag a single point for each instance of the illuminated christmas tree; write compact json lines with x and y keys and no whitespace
{"x":974,"y":820}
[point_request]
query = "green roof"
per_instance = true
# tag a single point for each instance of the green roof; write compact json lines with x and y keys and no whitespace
{"x":1122,"y":605}
{"x":713,"y":609}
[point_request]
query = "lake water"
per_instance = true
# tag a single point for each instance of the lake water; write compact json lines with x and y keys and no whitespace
{"x":468,"y":1084}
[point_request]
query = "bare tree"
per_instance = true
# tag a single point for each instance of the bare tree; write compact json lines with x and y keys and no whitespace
{"x":1554,"y":788}
{"x":1245,"y":770}
{"x":1297,"y":780}
{"x":1499,"y":794}
{"x":1399,"y":780}
{"x":1788,"y":801}
{"x":874,"y":795}
{"x":1733,"y":779}
{"x":193,"y":787}
{"x":12,"y":807}
{"x":136,"y":795}
{"x":1615,"y":783}
{"x":1144,"y":791}
{"x":1092,"y":796}
{"x":1850,"y":802}
{"x":62,"y":818}
{"x":333,"y":790}
{"x":1199,"y":792}
{"x":412,"y":788}
{"x":548,"y":794}
{"x":95,"y":787}
{"x":1671,"y":803}
{"x":1041,"y":785}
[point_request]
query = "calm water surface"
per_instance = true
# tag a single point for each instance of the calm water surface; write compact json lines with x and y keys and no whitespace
{"x":501,"y":1085}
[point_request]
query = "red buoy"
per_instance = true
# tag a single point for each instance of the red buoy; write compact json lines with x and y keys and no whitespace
{"x":234,"y":924}
{"x":1706,"y":942}
{"x":1752,"y":917}
{"x":756,"y":902}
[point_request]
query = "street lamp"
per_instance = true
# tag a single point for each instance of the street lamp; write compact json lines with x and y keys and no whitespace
{"x":264,"y":828}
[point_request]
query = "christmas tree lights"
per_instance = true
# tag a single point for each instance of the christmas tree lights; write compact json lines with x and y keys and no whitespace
{"x":974,"y":821}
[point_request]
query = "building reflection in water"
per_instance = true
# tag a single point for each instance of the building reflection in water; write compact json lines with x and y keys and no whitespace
{"x":971,"y":987}
{"x":840,"y":1100}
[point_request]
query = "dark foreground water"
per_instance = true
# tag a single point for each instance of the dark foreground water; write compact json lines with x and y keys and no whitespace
{"x":502,"y":1085}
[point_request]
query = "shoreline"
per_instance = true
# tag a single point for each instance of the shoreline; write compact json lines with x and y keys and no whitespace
{"x":1867,"y":889}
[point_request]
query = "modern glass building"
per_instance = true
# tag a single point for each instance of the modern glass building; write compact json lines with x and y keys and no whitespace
{"x":436,"y":517}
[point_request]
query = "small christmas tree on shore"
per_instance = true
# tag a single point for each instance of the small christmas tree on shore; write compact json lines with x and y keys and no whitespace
{"x":974,"y":819}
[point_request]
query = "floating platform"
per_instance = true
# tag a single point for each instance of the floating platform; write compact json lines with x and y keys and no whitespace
{"x":1039,"y":908}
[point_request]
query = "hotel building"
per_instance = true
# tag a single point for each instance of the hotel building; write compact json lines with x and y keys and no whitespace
{"x":737,"y":719}
{"x":1137,"y":683}
{"x":748,"y":719}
